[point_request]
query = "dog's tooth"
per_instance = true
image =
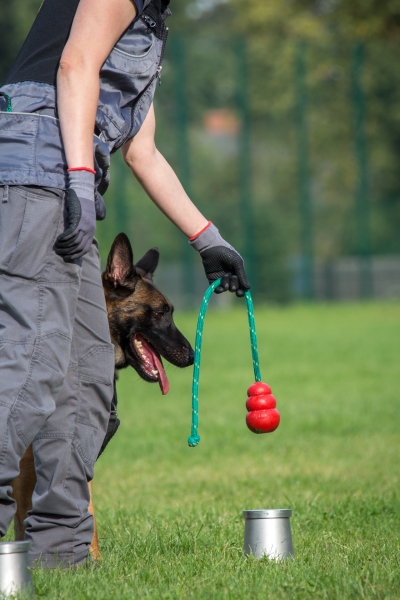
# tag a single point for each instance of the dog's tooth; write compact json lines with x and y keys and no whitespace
{"x":154,"y":372}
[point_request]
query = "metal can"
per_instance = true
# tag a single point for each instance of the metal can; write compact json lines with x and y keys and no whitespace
{"x":14,"y":573}
{"x":267,"y":533}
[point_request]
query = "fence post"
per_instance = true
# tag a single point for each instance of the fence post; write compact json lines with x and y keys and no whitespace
{"x":183,"y":153}
{"x":360,"y":147}
{"x":244,"y":156}
{"x":303,"y":162}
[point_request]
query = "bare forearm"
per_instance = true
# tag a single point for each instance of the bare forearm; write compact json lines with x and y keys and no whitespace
{"x":77,"y":97}
{"x":163,"y":186}
{"x":78,"y":75}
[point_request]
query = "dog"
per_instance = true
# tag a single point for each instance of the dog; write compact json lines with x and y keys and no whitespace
{"x":142,"y":330}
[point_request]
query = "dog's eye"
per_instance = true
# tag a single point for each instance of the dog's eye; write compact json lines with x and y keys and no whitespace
{"x":160,"y":313}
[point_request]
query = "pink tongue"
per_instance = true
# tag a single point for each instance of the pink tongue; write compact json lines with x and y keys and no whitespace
{"x":163,"y":379}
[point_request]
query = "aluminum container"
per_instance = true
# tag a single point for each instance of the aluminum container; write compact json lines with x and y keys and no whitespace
{"x":267,"y":533}
{"x":14,"y":573}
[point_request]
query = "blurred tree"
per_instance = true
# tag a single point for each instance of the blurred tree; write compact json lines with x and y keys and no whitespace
{"x":363,"y":19}
{"x":272,"y":28}
{"x":330,"y":28}
{"x":311,"y":19}
{"x":16,"y":18}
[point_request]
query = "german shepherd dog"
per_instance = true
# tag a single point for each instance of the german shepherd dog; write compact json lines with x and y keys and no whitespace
{"x":142,"y":331}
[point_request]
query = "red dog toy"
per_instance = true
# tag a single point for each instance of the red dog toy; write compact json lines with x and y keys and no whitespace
{"x":262,"y":416}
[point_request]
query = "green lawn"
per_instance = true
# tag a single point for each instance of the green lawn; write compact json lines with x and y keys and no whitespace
{"x":169,"y":516}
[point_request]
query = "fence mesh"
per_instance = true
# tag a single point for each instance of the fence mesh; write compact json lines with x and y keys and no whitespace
{"x":290,"y":148}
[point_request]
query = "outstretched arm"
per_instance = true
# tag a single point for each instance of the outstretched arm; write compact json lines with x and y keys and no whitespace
{"x":162,"y":185}
{"x":160,"y":181}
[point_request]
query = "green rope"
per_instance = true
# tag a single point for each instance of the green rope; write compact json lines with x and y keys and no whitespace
{"x":253,"y":336}
{"x":9,"y":105}
{"x":194,"y":437}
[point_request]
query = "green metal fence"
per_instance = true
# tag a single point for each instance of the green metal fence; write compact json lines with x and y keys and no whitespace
{"x":290,"y":149}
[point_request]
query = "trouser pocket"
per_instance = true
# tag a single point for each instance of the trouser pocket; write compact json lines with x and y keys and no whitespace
{"x":28,"y":228}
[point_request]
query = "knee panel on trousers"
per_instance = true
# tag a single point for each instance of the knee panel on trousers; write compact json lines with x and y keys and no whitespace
{"x":96,"y":376}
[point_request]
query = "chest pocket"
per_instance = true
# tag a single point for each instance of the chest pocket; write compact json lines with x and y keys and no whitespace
{"x":134,"y":53}
{"x":126,"y":75}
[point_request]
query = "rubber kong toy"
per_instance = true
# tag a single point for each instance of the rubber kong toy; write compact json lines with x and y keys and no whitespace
{"x":262,"y":416}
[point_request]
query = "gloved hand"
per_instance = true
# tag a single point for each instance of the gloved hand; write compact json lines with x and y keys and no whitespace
{"x":100,"y":207}
{"x":80,"y":202}
{"x":102,"y":158}
{"x":221,"y":260}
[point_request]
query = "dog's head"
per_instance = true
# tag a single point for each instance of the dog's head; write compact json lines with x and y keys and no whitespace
{"x":140,"y":316}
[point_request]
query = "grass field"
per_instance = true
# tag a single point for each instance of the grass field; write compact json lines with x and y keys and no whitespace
{"x":170,"y":516}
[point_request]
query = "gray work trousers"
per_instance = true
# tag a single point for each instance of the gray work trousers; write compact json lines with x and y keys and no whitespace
{"x":56,"y":373}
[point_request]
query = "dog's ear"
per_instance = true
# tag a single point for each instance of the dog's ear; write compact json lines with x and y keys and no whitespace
{"x":120,"y":269}
{"x":148,"y":263}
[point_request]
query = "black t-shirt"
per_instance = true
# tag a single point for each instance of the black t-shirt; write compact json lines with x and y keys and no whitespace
{"x":40,"y":54}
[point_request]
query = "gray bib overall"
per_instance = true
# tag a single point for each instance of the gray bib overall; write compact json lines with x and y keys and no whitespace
{"x":56,"y":356}
{"x":31,"y":150}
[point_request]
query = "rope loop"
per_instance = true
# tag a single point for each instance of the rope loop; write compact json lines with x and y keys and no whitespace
{"x":194,"y":438}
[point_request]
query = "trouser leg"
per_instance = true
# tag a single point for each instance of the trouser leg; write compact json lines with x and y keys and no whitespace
{"x":60,"y":526}
{"x":113,"y":422}
{"x":38,"y":296}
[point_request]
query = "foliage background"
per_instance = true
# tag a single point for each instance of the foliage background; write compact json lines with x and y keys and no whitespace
{"x":272,"y":30}
{"x":169,"y":519}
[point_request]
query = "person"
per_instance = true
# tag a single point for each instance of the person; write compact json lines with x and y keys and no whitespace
{"x":81,"y":87}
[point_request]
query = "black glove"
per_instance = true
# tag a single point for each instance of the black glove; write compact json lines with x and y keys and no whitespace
{"x":100,"y":207}
{"x":81,"y":222}
{"x":102,"y":158}
{"x":221,"y":260}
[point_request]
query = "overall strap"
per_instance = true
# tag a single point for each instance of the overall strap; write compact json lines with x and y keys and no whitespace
{"x":154,"y":16}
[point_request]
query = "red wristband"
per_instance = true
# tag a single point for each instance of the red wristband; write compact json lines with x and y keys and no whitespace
{"x":197,"y":234}
{"x":82,"y":169}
